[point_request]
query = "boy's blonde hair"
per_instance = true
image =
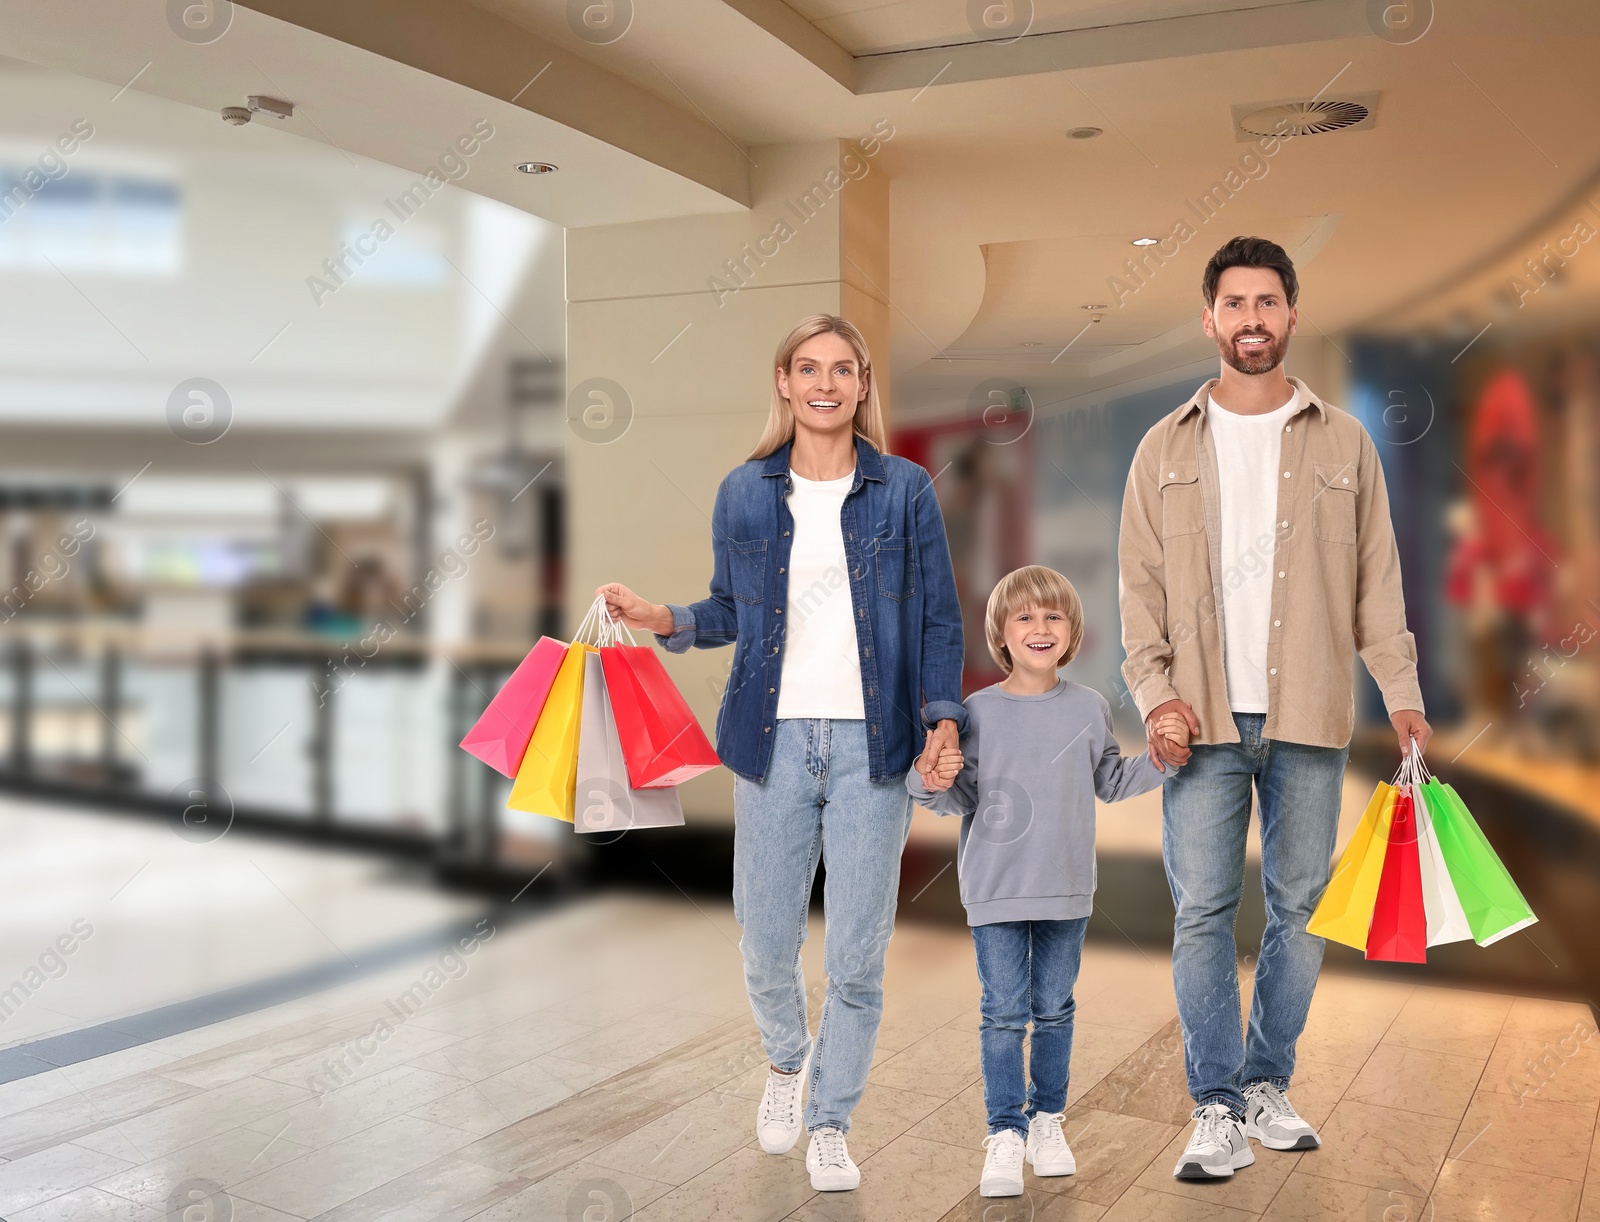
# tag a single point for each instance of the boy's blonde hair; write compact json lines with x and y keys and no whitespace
{"x":1033,"y":585}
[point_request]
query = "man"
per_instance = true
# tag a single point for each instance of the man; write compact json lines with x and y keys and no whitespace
{"x":1256,"y":554}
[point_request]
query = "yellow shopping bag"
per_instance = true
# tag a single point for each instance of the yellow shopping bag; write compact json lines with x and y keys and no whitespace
{"x":1345,"y":911}
{"x":547,"y":779}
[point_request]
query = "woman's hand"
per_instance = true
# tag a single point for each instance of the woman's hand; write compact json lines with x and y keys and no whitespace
{"x":941,"y":738}
{"x":623,"y":604}
{"x":944,"y":774}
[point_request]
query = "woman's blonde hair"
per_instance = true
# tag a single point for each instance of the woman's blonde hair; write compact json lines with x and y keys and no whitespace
{"x":868,"y":421}
{"x":1037,"y":586}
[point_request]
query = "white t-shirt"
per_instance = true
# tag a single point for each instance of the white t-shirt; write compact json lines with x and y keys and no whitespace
{"x":821,"y":668}
{"x":1247,"y":449}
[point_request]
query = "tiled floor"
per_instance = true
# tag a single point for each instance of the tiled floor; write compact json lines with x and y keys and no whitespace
{"x":602,"y":1058}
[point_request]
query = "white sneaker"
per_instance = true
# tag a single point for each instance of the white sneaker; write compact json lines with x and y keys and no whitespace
{"x":1270,"y":1118}
{"x":828,"y":1160}
{"x":1002,"y":1165}
{"x":1048,"y":1152}
{"x":782,"y":1105}
{"x":1217,"y":1147}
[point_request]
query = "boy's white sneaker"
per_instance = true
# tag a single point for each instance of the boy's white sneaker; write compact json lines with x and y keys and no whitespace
{"x":782,"y":1105}
{"x":828,"y":1160}
{"x":1048,"y":1152}
{"x":1002,"y":1165}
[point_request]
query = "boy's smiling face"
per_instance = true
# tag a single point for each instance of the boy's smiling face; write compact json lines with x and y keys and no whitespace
{"x":1037,"y":637}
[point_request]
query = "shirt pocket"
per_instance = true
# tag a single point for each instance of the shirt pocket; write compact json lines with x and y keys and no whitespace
{"x":747,"y":569}
{"x":897,"y":576}
{"x":1333,"y":502}
{"x":1183,"y":511}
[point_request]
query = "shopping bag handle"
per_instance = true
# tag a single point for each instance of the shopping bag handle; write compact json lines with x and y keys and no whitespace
{"x":1413,"y":769}
{"x":607,"y":629}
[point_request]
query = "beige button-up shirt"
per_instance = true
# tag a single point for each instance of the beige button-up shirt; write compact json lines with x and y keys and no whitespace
{"x":1334,"y":568}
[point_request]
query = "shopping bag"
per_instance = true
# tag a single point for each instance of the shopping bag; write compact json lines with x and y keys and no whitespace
{"x":1344,"y":913}
{"x":1493,"y":905}
{"x":1447,"y":921}
{"x":500,"y":736}
{"x":547,"y":780}
{"x":1399,"y":931}
{"x":662,"y":742}
{"x":604,"y":802}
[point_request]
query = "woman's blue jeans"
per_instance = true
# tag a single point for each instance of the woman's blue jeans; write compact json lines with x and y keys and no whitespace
{"x":818,"y":803}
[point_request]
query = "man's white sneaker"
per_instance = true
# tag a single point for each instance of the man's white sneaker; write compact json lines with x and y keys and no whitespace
{"x":1048,"y":1152}
{"x":1270,"y":1118}
{"x":1217,"y":1147}
{"x":782,"y":1105}
{"x":1002,"y":1165}
{"x":828,"y":1160}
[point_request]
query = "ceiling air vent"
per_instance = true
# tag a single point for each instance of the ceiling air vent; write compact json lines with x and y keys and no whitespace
{"x":1304,"y":118}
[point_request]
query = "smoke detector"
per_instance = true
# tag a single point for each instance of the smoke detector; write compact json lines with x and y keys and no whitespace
{"x":1314,"y":117}
{"x":257,"y":104}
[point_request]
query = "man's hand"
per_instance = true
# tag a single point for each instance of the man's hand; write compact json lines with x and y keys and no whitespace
{"x":1163,"y":750}
{"x":941,"y":738}
{"x":1409,"y":724}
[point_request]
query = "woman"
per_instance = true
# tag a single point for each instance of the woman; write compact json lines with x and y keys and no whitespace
{"x":832,"y":581}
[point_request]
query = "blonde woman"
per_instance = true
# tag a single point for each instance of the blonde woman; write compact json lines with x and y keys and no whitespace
{"x":832,"y":581}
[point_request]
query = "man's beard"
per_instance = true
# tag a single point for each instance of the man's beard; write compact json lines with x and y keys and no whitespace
{"x":1262,"y":360}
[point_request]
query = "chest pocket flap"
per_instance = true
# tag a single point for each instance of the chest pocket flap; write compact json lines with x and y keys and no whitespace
{"x":1333,"y":504}
{"x":1182,"y":509}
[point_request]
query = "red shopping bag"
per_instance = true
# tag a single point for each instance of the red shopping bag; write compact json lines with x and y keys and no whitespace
{"x":1399,"y":930}
{"x":500,"y":736}
{"x":662,"y":743}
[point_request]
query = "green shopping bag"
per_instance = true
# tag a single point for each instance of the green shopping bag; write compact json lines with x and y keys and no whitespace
{"x":1493,"y":905}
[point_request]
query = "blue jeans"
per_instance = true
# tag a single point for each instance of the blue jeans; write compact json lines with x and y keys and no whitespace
{"x":1205,"y":814}
{"x":817,"y":801}
{"x":1028,"y":970}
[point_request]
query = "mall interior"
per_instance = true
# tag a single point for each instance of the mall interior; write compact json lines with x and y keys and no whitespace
{"x":347,"y":347}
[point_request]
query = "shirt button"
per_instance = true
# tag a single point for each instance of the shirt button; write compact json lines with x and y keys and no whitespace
{"x":775,"y":648}
{"x":1286,"y":475}
{"x":1347,"y":479}
{"x":780,"y":610}
{"x":1277,"y":623}
{"x":1280,"y":574}
{"x":770,"y":690}
{"x":1285,"y":522}
{"x":1288,"y":428}
{"x":1273,"y":671}
{"x":785,"y":534}
{"x":1172,"y":474}
{"x":781,"y":570}
{"x":768,"y":730}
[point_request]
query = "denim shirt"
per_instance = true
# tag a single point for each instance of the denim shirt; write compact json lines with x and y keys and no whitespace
{"x":902,"y":594}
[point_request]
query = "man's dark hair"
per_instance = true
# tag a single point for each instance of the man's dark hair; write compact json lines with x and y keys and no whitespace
{"x":1251,"y":252}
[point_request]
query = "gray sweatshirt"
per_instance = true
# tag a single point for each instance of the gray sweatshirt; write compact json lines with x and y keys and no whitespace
{"x":1038,"y":762}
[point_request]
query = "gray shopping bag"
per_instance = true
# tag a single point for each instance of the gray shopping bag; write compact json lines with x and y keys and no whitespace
{"x":604,"y":801}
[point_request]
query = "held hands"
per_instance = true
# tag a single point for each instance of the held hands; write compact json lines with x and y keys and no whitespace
{"x":1169,"y":729}
{"x":947,"y":764}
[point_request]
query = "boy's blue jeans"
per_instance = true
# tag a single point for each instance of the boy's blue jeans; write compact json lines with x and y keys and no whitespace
{"x":818,"y":801}
{"x":1028,"y":970}
{"x":1205,"y":813}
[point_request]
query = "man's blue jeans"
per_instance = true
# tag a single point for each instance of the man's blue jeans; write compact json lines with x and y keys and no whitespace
{"x":1028,"y":970}
{"x":818,"y":801}
{"x":1205,"y":815}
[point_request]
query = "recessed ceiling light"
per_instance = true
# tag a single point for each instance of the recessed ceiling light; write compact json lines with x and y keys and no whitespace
{"x":537,"y":167}
{"x":1083,"y":133}
{"x":1092,"y":307}
{"x":1145,"y":241}
{"x":1032,"y":343}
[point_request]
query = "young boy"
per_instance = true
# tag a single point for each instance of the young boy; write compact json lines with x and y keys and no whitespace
{"x":1038,"y":750}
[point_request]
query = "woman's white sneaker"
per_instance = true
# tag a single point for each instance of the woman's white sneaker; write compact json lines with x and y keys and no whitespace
{"x":1002,"y":1165}
{"x":1217,"y":1147}
{"x":828,"y":1160}
{"x":1048,"y":1152}
{"x":782,"y":1105}
{"x":1270,"y":1118}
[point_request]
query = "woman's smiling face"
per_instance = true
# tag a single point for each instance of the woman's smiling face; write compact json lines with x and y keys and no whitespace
{"x":824,"y":384}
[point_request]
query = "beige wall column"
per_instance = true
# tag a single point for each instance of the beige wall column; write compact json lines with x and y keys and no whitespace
{"x":671,"y":328}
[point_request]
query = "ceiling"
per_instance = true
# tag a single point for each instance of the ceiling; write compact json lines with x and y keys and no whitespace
{"x":1002,"y":227}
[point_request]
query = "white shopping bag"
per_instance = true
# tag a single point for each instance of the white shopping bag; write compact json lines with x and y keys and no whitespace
{"x":604,"y":801}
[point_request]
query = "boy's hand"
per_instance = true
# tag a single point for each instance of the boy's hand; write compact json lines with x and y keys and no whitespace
{"x":1173,"y":727}
{"x":949,"y":766}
